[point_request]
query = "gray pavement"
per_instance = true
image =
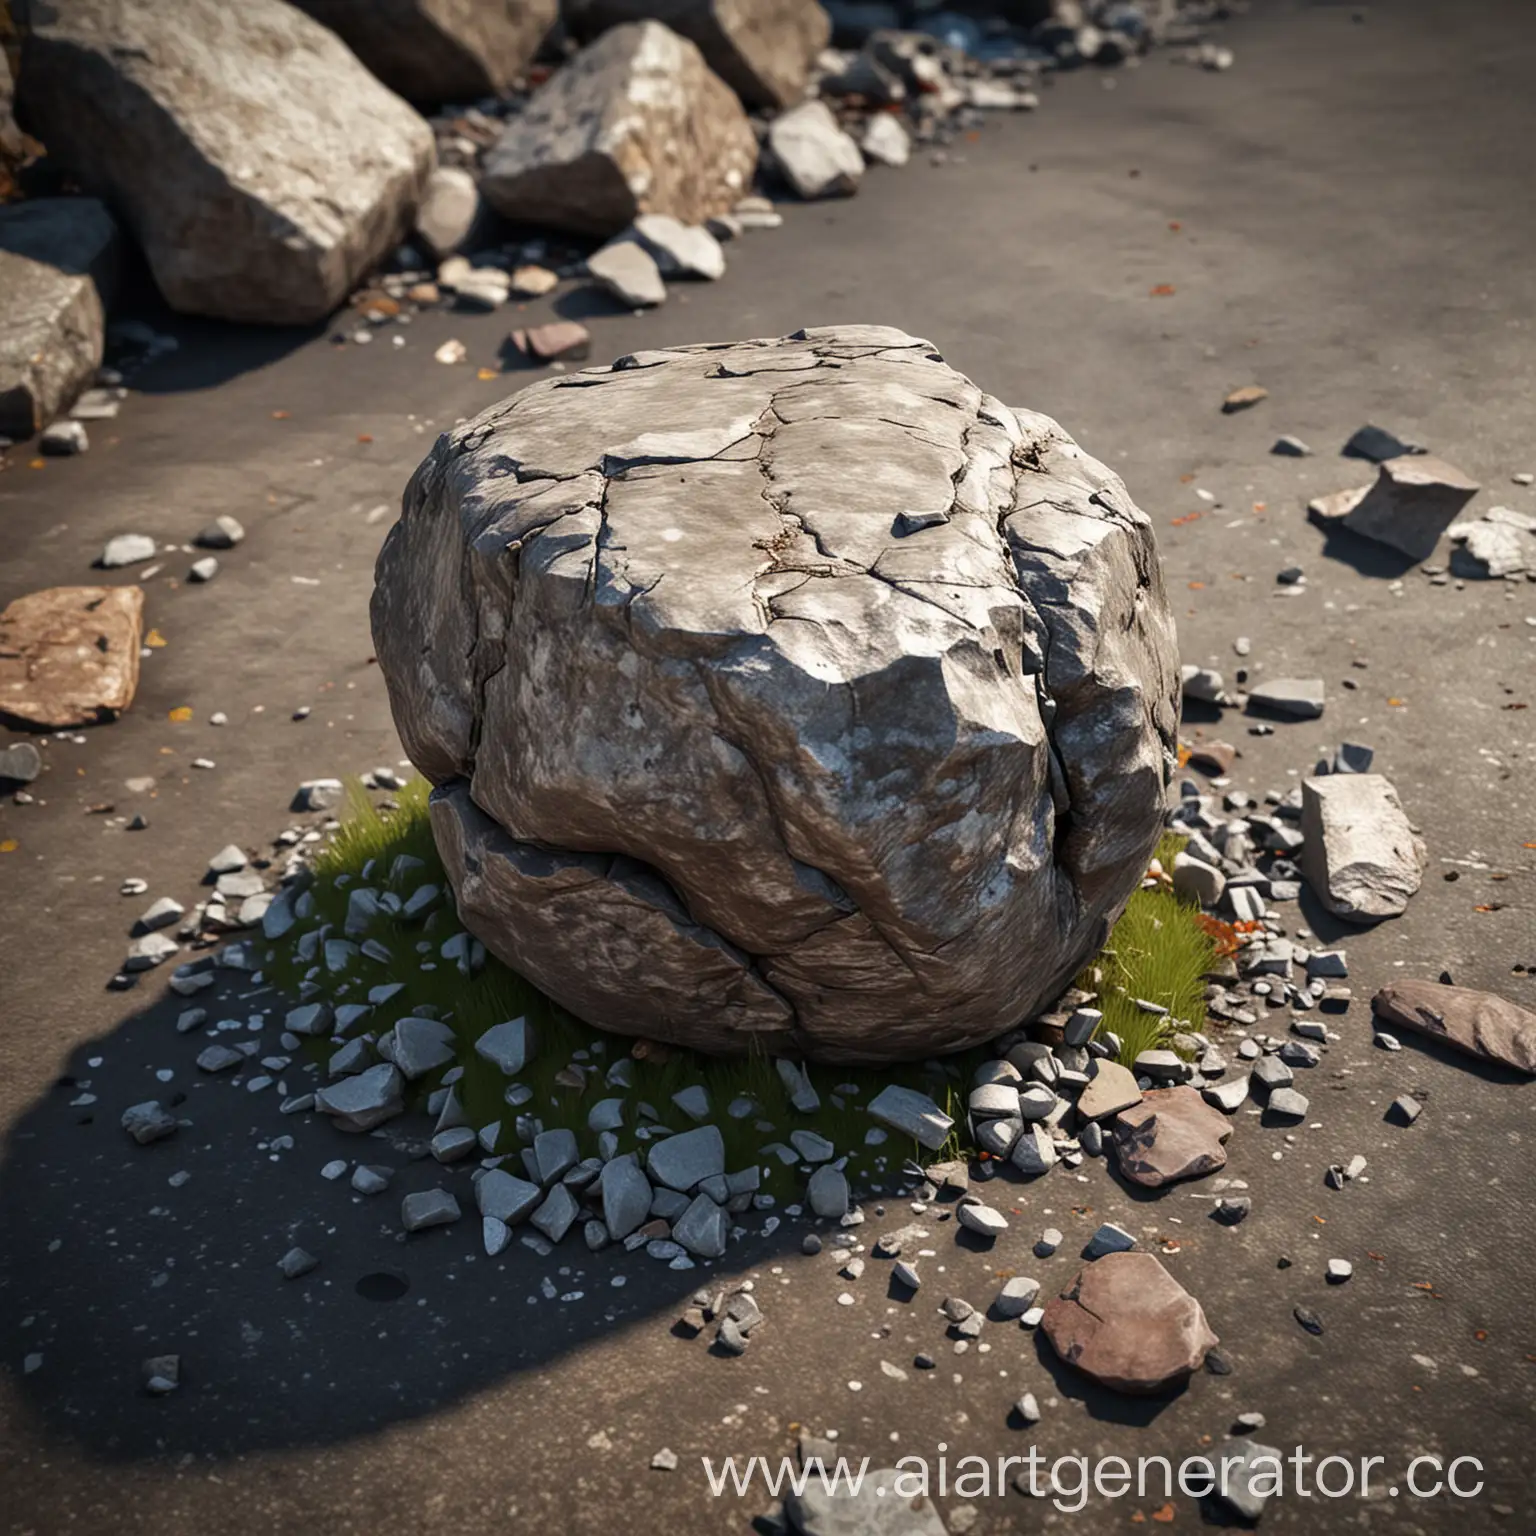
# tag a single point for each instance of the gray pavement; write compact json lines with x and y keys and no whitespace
{"x":1346,"y":217}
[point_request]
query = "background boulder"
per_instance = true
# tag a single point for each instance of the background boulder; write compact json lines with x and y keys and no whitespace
{"x":58,"y":269}
{"x":262,"y":168}
{"x":762,"y":49}
{"x":438,"y":51}
{"x":636,"y":123}
{"x":794,"y":693}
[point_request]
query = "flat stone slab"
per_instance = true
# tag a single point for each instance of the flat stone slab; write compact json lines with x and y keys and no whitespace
{"x":913,"y":1114}
{"x":682,"y":1161}
{"x":1127,"y":1323}
{"x":1172,"y":1134}
{"x":1480,"y":1023}
{"x":1415,"y":498}
{"x":1111,"y":1088}
{"x":1359,"y":853}
{"x":69,"y":656}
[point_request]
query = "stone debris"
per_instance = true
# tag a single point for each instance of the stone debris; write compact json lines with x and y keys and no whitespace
{"x":1108,"y":1239}
{"x":297,"y":1262}
{"x":813,"y":155}
{"x":981,"y":1219}
{"x":254,"y":108}
{"x":1414,"y":499}
{"x":1243,"y":398}
{"x":69,"y":656}
{"x":1253,"y":1475}
{"x":361,"y":1102}
{"x":913,"y":1114}
{"x":1405,"y":1109}
{"x":679,"y":250}
{"x":960,"y":462}
{"x":1500,"y":544}
{"x":883,"y":1506}
{"x":1127,"y":1323}
{"x":58,"y":272}
{"x":428,"y":1208}
{"x":1360,"y":855}
{"x":148,"y":1122}
{"x":885,"y":141}
{"x":1480,"y":1024}
{"x":161,"y":1374}
{"x":1298,"y":698}
{"x":1377,"y":445}
{"x":20,"y":762}
{"x":558,"y":341}
{"x":597,"y":144}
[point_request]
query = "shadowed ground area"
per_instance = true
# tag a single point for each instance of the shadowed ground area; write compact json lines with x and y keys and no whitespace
{"x":1345,"y":218}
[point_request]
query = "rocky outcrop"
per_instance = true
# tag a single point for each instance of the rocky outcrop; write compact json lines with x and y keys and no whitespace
{"x":1480,"y":1023}
{"x":636,"y":123}
{"x":58,"y":270}
{"x":262,"y":168}
{"x":794,"y":694}
{"x":436,"y":51}
{"x":762,"y":49}
{"x":69,"y":656}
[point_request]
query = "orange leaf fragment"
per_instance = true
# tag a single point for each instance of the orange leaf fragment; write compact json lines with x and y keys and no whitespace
{"x":487,"y":373}
{"x":365,"y":437}
{"x":8,"y":846}
{"x":155,"y":639}
{"x":1164,"y":1516}
{"x":281,"y":415}
{"x":1197,"y":586}
{"x":1163,"y":291}
{"x":181,"y":714}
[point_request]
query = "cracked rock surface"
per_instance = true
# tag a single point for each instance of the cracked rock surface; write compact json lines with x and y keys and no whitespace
{"x":791,"y":694}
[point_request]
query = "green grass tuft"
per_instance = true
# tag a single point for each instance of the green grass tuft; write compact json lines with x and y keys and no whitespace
{"x":1157,"y":952}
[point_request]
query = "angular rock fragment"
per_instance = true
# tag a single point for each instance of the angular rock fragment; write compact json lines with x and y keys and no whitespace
{"x":628,"y":272}
{"x":678,"y":249}
{"x":1479,"y":1023}
{"x":681,"y":1162}
{"x":148,"y":1122}
{"x":812,"y":153}
{"x":360,"y":1103}
{"x":1300,"y":698}
{"x":885,"y":141}
{"x":635,"y":123}
{"x":263,"y":169}
{"x":438,"y":51}
{"x":884,"y":1505}
{"x":913,"y":1114}
{"x":428,"y":1208}
{"x":1360,"y":855}
{"x":69,"y":656}
{"x":1126,"y":1322}
{"x":449,"y":207}
{"x":1502,"y":543}
{"x":1171,"y":1135}
{"x":58,"y":274}
{"x":988,"y":852}
{"x":1415,"y":499}
{"x":558,"y":340}
{"x":762,"y":50}
{"x":1111,"y":1088}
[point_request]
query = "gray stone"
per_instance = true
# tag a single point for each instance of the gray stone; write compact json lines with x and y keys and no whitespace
{"x":428,"y":1208}
{"x":1000,"y":1100}
{"x":556,"y":1153}
{"x":905,"y":1274}
{"x":1034,"y":1152}
{"x":20,"y":762}
{"x":1111,"y":1088}
{"x":437,"y":51}
{"x":1301,"y":698}
{"x":997,"y":1137}
{"x":682,"y":1161}
{"x":763,"y":51}
{"x":421,"y":1046}
{"x":261,"y":167}
{"x":1362,"y":858}
{"x":1481,"y":1024}
{"x":146,"y":953}
{"x":1016,"y":1298}
{"x":555,"y":1217}
{"x":1406,"y":1108}
{"x":451,"y":1145}
{"x":1081,"y":1025}
{"x":1163,"y":1066}
{"x":601,"y":142}
{"x":678,"y":249}
{"x":58,"y":273}
{"x":885,"y":141}
{"x":672,"y":960}
{"x":1108,"y":1239}
{"x":628,"y":272}
{"x":827,"y":1192}
{"x":224,"y":532}
{"x":1287,"y":1102}
{"x":1257,"y":1473}
{"x":362,"y":1102}
{"x":913,"y":1114}
{"x":626,"y":1197}
{"x":126,"y":549}
{"x":64,"y":439}
{"x":148,"y":1122}
{"x":981,"y":1219}
{"x":883,"y":1506}
{"x":812,"y":1147}
{"x":1415,"y":498}
{"x":701,"y":1229}
{"x":1271,"y":1073}
{"x":1492,"y":547}
{"x":1228,"y":1097}
{"x":297,"y":1262}
{"x":371,"y":1179}
{"x":1197,"y":880}
{"x":811,"y":152}
{"x":510,"y":1046}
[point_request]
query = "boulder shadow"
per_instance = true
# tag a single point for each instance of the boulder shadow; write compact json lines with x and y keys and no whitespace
{"x":1365,"y":556}
{"x":115,"y":1252}
{"x":1102,"y":1403}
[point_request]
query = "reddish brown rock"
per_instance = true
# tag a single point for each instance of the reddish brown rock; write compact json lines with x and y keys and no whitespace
{"x":70,"y":655}
{"x":1126,"y":1322}
{"x":1479,"y":1023}
{"x":1216,"y":757}
{"x":1172,"y":1134}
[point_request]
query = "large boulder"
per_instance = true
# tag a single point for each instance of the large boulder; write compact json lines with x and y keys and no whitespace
{"x":58,"y":269}
{"x":263,"y":169}
{"x":762,"y":49}
{"x":636,"y":123}
{"x":793,"y":694}
{"x":440,"y":50}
